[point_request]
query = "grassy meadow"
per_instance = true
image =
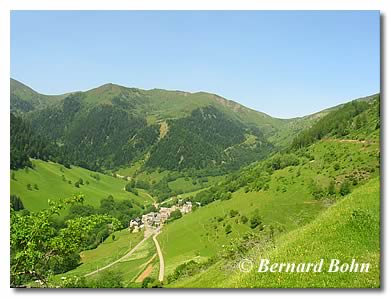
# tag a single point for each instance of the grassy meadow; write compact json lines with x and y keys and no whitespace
{"x":348,"y":230}
{"x":287,"y":205}
{"x":54,"y":182}
{"x":106,"y":253}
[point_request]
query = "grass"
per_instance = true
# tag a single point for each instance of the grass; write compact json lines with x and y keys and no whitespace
{"x":152,"y":177}
{"x":107,"y":252}
{"x":192,"y":193}
{"x":348,"y":230}
{"x":130,"y":171}
{"x":48,"y":177}
{"x":133,"y":266}
{"x":288,"y":204}
{"x":201,"y":235}
{"x":110,"y":250}
{"x":185,"y":185}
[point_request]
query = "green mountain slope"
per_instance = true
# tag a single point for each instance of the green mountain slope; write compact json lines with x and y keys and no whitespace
{"x":113,"y":126}
{"x":25,"y":99}
{"x":348,"y":230}
{"x":289,"y":190}
{"x":54,"y":181}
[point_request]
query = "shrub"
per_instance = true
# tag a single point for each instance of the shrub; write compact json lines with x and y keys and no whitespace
{"x":233,"y":213}
{"x":345,"y":188}
{"x":16,"y":203}
{"x":228,"y":229}
{"x":255,"y":220}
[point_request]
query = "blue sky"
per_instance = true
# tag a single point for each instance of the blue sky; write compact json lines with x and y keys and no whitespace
{"x":283,"y":63}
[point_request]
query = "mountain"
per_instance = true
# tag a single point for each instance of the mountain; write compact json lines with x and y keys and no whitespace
{"x":294,"y":190}
{"x":25,"y":99}
{"x":113,"y":126}
{"x":318,"y":199}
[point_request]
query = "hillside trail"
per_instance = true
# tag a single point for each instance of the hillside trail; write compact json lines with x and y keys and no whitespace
{"x":160,"y":256}
{"x":155,"y":204}
{"x":147,"y":236}
{"x":345,"y":141}
{"x":147,"y":271}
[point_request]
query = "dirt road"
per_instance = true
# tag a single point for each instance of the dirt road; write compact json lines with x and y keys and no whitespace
{"x":120,"y":259}
{"x":160,"y":256}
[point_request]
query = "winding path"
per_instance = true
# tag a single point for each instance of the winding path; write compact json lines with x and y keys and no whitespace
{"x":120,"y":259}
{"x":160,"y":256}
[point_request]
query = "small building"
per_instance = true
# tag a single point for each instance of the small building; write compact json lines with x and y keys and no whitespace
{"x":186,"y":208}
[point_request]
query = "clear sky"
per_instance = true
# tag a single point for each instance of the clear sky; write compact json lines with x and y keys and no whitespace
{"x":285,"y":64}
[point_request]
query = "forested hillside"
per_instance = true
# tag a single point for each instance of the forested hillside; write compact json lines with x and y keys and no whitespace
{"x":255,"y":183}
{"x":26,"y":144}
{"x":244,"y":216}
{"x":207,"y":138}
{"x":112,"y":126}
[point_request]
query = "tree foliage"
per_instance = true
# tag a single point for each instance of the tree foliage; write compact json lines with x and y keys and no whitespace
{"x":37,"y":248}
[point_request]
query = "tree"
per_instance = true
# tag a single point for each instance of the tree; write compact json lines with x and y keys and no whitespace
{"x":36,"y":245}
{"x":345,"y":188}
{"x":29,"y":186}
{"x":244,"y":219}
{"x":16,"y":203}
{"x":228,"y":229}
{"x":148,"y":280}
{"x":255,"y":220}
{"x":175,"y":215}
{"x":130,"y":187}
{"x":332,"y":187}
{"x":233,"y":213}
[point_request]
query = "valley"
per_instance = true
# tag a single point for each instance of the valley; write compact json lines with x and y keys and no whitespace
{"x":257,"y":186}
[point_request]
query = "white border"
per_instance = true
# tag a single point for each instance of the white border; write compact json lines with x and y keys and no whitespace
{"x":7,"y":5}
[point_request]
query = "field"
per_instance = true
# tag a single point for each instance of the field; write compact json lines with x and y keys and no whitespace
{"x":287,"y":205}
{"x":201,"y":234}
{"x":107,"y":252}
{"x":347,"y":230}
{"x":186,"y":185}
{"x":110,"y":250}
{"x":131,"y":170}
{"x":54,"y":182}
{"x":132,"y":267}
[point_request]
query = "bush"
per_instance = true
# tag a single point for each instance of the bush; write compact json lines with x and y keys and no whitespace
{"x":148,"y":280}
{"x":175,"y":215}
{"x":244,"y":219}
{"x":130,"y":187}
{"x":228,"y":229}
{"x":233,"y":213}
{"x":107,"y":279}
{"x":16,"y":203}
{"x":255,"y":220}
{"x":345,"y":188}
{"x":332,"y":188}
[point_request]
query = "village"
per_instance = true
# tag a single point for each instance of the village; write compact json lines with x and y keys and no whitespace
{"x":154,"y":220}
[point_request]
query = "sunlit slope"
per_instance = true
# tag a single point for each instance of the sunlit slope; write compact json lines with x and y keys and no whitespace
{"x":55,"y":182}
{"x":348,"y":230}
